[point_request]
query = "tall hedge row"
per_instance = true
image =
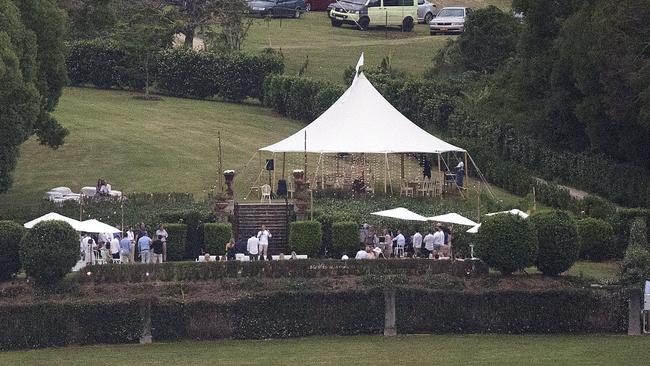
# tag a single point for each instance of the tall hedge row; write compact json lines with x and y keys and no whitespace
{"x":178,"y":72}
{"x":345,"y":238}
{"x":10,"y":235}
{"x":176,"y":241}
{"x":306,"y":237}
{"x":216,"y":235}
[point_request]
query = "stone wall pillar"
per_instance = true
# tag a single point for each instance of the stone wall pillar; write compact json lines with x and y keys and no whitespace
{"x":390,"y":329}
{"x":634,"y":314}
{"x":145,"y":315}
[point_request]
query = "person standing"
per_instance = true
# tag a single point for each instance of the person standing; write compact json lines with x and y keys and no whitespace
{"x":252,"y":247}
{"x":125,"y":250}
{"x":388,"y":244}
{"x":230,"y":250}
{"x":438,"y":239}
{"x":428,"y":244}
{"x":144,"y":245}
{"x":264,"y":235}
{"x":417,"y":243}
{"x":157,"y":248}
{"x":161,"y":232}
{"x":115,"y":248}
{"x":400,"y":242}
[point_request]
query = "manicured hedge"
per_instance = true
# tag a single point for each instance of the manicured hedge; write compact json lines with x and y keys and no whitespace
{"x":48,"y":251}
{"x":10,"y":235}
{"x":557,"y":248}
{"x":100,"y":62}
{"x":299,"y":314}
{"x":310,"y":268}
{"x":507,"y":243}
{"x":216,"y":235}
{"x":306,"y":237}
{"x":176,"y":241}
{"x":621,"y":222}
{"x":345,"y":238}
{"x":595,"y":238}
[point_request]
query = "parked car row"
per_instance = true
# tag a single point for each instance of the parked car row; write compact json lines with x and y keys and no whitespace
{"x":363,"y":14}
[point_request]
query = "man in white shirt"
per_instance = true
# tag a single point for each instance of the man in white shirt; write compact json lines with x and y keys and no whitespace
{"x":263,"y":236}
{"x":361,"y":254}
{"x":115,"y":248}
{"x":417,"y":243}
{"x":400,"y":242}
{"x":252,"y":247}
{"x":438,"y":239}
{"x":428,"y":244}
{"x":162,"y":232}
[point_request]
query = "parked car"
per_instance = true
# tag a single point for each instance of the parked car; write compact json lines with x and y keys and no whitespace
{"x":426,"y":11}
{"x":277,"y":8}
{"x":369,"y":13}
{"x":317,"y":5}
{"x":450,"y":20}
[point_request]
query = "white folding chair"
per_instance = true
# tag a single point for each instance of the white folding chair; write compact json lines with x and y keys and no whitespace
{"x":405,"y":190}
{"x":290,"y":189}
{"x":266,"y":192}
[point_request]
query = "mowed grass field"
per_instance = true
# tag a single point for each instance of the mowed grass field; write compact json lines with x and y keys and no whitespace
{"x":501,"y":350}
{"x":330,"y":50}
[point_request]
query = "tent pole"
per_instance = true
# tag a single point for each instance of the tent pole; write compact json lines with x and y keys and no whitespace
{"x":284,"y":162}
{"x":322,"y":174}
{"x":401,"y":166}
{"x":466,"y":173}
{"x":305,"y":154}
{"x":220,"y":172}
{"x":386,"y":175}
{"x":272,"y":182}
{"x":390,"y":183}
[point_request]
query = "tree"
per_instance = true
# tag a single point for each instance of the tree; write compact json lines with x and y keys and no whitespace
{"x":143,"y":36}
{"x":32,"y":76}
{"x":489,"y":39}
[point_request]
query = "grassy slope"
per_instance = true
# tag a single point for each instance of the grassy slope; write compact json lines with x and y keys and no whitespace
{"x":359,"y":350}
{"x":331,"y":49}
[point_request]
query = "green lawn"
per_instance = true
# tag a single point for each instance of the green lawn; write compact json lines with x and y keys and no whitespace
{"x":499,"y":350}
{"x":331,"y":49}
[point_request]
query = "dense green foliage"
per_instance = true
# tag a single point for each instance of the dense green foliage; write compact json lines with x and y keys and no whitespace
{"x":100,"y":62}
{"x":507,"y":243}
{"x":49,"y":251}
{"x":345,"y":238}
{"x":635,"y":267}
{"x":306,"y":237}
{"x":215,"y":237}
{"x":176,"y":241}
{"x":32,"y":75}
{"x":489,"y":39}
{"x":306,"y":313}
{"x":595,"y":238}
{"x":639,"y":233}
{"x":557,"y":248}
{"x":10,"y":235}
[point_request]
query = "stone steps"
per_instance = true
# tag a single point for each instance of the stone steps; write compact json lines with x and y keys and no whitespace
{"x":249,"y":219}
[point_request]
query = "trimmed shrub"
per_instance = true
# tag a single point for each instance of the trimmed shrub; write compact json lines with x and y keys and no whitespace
{"x":185,"y":72}
{"x":635,"y":267}
{"x":639,"y":233}
{"x":305,"y":237}
{"x":507,"y":243}
{"x":621,"y":222}
{"x":345,"y":238}
{"x":597,"y":207}
{"x":595,"y":238}
{"x":10,"y":235}
{"x":176,"y":241}
{"x":48,"y":251}
{"x":215,"y":237}
{"x":557,"y":241}
{"x":100,"y":62}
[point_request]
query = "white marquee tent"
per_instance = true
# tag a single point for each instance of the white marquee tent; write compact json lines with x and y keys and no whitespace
{"x":95,"y":226}
{"x":453,"y":218}
{"x":514,"y":211}
{"x":53,"y":216}
{"x":400,"y":213}
{"x":362,"y":121}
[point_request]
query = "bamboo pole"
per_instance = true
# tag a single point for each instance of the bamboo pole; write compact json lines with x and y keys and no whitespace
{"x":401,"y":166}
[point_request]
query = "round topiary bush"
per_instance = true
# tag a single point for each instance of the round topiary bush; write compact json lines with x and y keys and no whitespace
{"x":595,"y":238}
{"x":306,"y":237}
{"x":10,"y":235}
{"x":345,"y":238}
{"x":48,"y":251}
{"x":215,"y":237}
{"x":507,"y":243}
{"x":557,"y":241}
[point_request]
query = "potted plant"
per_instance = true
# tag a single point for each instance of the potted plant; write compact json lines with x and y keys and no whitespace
{"x":229,"y":175}
{"x":221,"y":201}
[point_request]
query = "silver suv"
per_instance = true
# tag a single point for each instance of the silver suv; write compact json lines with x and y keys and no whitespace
{"x":426,"y":11}
{"x":450,"y":20}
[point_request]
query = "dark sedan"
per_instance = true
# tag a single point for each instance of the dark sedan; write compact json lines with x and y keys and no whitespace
{"x":277,"y":8}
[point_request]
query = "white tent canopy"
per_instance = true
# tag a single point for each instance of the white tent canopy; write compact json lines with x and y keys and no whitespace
{"x":453,"y":218}
{"x":362,"y":121}
{"x":514,"y":211}
{"x":94,"y":226}
{"x":400,"y":213}
{"x":53,"y":216}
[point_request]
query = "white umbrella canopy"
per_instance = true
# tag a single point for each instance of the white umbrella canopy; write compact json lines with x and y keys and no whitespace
{"x":453,"y":218}
{"x":53,"y":216}
{"x":400,"y":213}
{"x":514,"y":211}
{"x":95,"y":226}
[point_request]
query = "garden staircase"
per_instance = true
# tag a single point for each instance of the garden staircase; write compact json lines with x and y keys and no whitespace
{"x":249,"y":218}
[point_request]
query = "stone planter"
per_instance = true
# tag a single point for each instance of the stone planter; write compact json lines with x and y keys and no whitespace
{"x":229,"y":176}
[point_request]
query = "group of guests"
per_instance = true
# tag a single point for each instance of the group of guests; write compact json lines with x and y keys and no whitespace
{"x":125,"y":247}
{"x":435,"y":244}
{"x":257,"y":247}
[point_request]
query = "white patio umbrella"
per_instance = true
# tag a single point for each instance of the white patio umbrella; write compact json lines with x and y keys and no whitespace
{"x":514,"y":211}
{"x":453,"y":218}
{"x":95,"y":226}
{"x":400,"y":213}
{"x":53,"y":216}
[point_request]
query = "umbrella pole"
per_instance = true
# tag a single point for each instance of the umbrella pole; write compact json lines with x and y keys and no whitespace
{"x":386,"y":174}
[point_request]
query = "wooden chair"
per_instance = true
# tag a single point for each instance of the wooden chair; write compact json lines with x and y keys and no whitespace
{"x":405,"y":190}
{"x":266,"y":192}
